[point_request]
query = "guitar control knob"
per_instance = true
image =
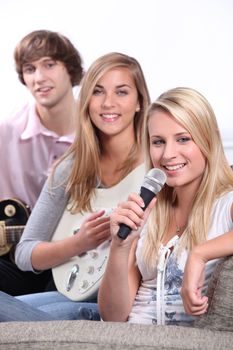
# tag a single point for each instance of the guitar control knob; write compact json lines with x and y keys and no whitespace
{"x":84,"y":284}
{"x":90,"y":270}
{"x":10,"y":210}
{"x":94,"y":255}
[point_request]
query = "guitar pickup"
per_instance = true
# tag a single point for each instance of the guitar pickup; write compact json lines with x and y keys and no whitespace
{"x":72,"y":277}
{"x":2,"y":234}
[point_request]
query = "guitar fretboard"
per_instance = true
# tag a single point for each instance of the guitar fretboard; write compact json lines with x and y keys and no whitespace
{"x":13,"y":233}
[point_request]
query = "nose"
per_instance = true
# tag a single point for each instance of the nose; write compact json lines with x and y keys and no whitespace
{"x":39,"y":75}
{"x":108,"y":100}
{"x":170,"y":150}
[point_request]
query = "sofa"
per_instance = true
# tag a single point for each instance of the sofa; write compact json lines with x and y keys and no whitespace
{"x":214,"y":330}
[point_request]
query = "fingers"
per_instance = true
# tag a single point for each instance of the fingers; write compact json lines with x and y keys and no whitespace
{"x":97,"y":222}
{"x":95,"y":216}
{"x":196,"y":306}
{"x":102,"y":231}
{"x":199,"y":310}
{"x":128,"y":217}
{"x":130,"y":212}
{"x":194,"y":302}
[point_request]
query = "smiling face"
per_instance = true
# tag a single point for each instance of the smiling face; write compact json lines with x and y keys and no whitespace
{"x":173,"y":150}
{"x":47,"y":80}
{"x":114,"y":103}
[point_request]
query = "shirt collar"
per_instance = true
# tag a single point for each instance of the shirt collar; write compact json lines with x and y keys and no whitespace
{"x":34,"y":127}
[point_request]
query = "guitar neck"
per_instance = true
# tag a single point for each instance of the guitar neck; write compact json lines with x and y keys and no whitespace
{"x":13,"y":233}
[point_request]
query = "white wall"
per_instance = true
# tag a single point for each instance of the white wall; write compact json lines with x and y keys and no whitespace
{"x":177,"y":42}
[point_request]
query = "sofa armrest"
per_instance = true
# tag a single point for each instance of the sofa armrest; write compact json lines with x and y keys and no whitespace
{"x":220,"y":292}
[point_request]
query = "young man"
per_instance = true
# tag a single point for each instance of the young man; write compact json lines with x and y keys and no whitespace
{"x":31,"y":139}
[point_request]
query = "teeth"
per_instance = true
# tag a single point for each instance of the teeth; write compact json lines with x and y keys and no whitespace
{"x":109,"y":116}
{"x":174,"y":167}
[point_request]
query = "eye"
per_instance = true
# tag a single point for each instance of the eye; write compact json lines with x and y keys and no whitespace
{"x":157,"y":142}
{"x":97,"y":91}
{"x":28,"y":69}
{"x":122,"y":92}
{"x":50,"y":64}
{"x":183,"y":139}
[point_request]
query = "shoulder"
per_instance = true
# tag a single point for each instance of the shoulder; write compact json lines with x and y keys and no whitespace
{"x":17,"y":118}
{"x":62,"y":171}
{"x":137,"y":174}
{"x":221,"y":218}
{"x":225,"y":199}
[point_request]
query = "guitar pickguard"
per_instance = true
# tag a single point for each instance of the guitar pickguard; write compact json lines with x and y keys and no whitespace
{"x":79,"y":278}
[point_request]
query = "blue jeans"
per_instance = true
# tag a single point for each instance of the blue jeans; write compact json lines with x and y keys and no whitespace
{"x":12,"y":309}
{"x":60,"y":307}
{"x":45,"y":307}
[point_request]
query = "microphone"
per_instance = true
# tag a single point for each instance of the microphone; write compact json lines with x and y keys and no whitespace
{"x":152,"y":184}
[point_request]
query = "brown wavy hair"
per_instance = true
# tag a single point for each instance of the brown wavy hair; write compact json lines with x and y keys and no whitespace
{"x":41,"y":43}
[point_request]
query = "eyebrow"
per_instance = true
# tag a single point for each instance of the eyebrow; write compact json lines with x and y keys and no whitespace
{"x":44,"y":59}
{"x":117,"y":86}
{"x":177,"y":134}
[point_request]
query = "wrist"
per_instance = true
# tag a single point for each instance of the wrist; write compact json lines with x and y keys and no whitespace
{"x":198,"y":253}
{"x":120,"y":246}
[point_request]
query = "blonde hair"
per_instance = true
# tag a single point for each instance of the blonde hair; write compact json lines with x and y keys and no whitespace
{"x":189,"y":108}
{"x":86,"y":148}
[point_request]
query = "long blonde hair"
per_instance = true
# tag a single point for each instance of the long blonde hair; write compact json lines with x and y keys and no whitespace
{"x":189,"y":108}
{"x":86,"y":148}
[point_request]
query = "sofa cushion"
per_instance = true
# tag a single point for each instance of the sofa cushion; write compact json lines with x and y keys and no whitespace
{"x":220,"y":292}
{"x":94,"y":335}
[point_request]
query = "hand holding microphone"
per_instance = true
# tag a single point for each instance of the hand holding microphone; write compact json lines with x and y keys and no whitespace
{"x":152,"y":184}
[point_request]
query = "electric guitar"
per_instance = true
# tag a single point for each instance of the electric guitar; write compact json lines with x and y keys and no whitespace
{"x":13,"y":217}
{"x":79,"y":278}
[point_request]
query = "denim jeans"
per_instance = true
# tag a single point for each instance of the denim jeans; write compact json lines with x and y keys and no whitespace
{"x":60,"y":307}
{"x":45,"y":306}
{"x":12,"y":309}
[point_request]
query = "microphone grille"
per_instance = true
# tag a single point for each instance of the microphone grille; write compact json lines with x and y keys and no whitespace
{"x":154,"y":180}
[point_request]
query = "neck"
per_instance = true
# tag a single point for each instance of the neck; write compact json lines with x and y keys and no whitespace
{"x":180,"y":223}
{"x":183,"y":206}
{"x":117,"y":147}
{"x":59,"y":118}
{"x":114,"y":154}
{"x":186,"y":196}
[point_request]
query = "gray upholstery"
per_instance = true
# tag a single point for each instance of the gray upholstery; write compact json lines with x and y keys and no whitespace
{"x":99,"y":335}
{"x":212,"y":331}
{"x":220,"y":292}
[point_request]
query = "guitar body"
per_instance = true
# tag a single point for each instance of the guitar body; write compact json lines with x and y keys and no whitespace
{"x":80,"y":277}
{"x":13,"y":217}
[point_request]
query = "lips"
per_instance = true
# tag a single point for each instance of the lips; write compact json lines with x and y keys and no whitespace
{"x":109,"y":116}
{"x":174,"y":167}
{"x":44,"y":89}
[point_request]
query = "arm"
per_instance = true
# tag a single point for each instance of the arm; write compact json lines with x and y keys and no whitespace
{"x":122,"y":278}
{"x":93,"y":231}
{"x":119,"y":284}
{"x":35,"y":250}
{"x":194,"y":302}
{"x":44,"y":217}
